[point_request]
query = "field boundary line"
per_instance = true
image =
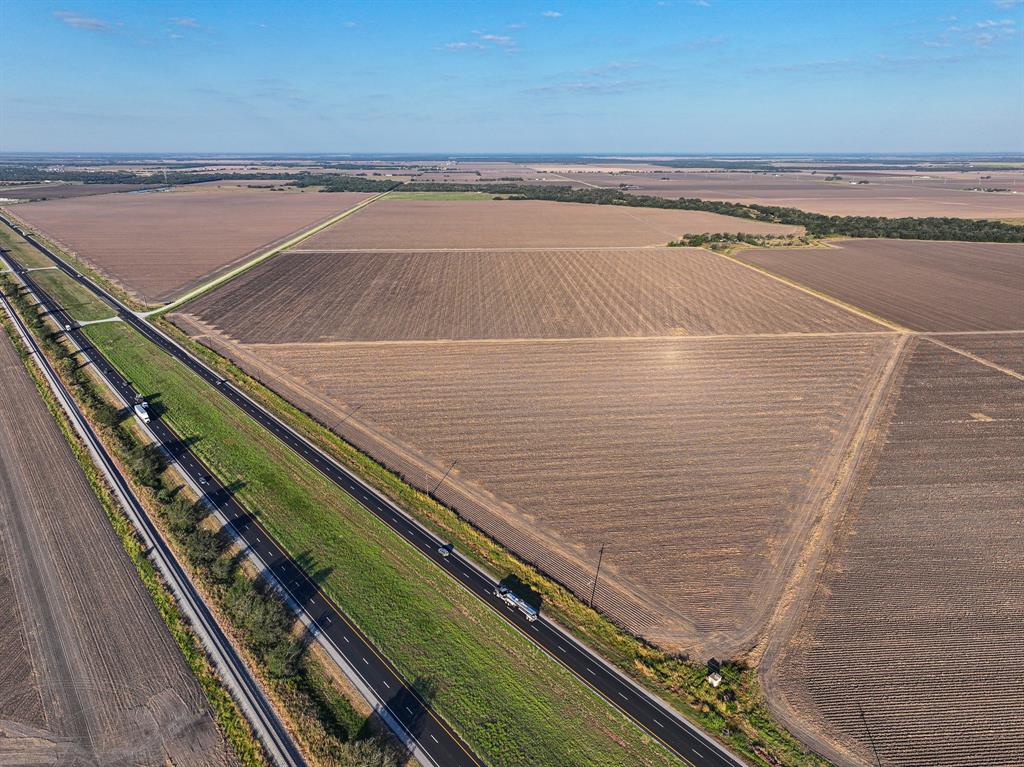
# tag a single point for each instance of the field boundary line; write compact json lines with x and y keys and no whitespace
{"x":511,"y":249}
{"x":976,"y":358}
{"x":818,"y":294}
{"x":798,"y":594}
{"x":257,"y":260}
{"x":543,"y":340}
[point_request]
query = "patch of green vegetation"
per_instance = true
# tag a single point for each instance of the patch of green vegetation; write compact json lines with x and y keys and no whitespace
{"x":736,"y":711}
{"x":441,"y":196}
{"x":79,"y":302}
{"x":326,"y":724}
{"x":511,"y":702}
{"x":226,"y":713}
{"x":21,"y":250}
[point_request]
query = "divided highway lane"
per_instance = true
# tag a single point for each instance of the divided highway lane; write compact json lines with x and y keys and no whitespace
{"x":257,"y":707}
{"x":422,"y":728}
{"x":653,"y":715}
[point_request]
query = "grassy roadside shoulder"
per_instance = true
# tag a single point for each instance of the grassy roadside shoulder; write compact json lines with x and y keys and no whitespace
{"x":324,"y":721}
{"x":511,"y":702}
{"x":736,"y":712}
{"x":229,"y":718}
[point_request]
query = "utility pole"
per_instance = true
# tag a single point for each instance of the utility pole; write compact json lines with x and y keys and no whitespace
{"x":597,"y":575}
{"x":443,"y":478}
{"x":871,"y":738}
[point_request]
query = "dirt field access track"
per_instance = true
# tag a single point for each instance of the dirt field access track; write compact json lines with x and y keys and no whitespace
{"x":444,"y":224}
{"x":88,"y":671}
{"x":398,"y":296}
{"x":928,"y":286}
{"x":158,"y":244}
{"x":913,"y":639}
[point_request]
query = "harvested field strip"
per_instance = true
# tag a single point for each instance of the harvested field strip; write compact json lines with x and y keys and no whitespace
{"x":104,"y":680}
{"x":926,"y":286}
{"x":509,"y":700}
{"x":511,"y":294}
{"x":523,"y":223}
{"x":647,"y":445}
{"x":916,"y":622}
{"x":994,"y":347}
{"x":158,"y":244}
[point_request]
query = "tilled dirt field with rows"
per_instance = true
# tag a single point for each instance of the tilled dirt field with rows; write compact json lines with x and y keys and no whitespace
{"x":89,"y":674}
{"x":911,"y":646}
{"x":700,"y":462}
{"x":402,"y":223}
{"x":157,"y":244}
{"x":930,"y":286}
{"x":404,"y":295}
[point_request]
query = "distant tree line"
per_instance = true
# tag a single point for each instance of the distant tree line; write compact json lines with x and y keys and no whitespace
{"x":816,"y":224}
{"x":336,"y":182}
{"x":330,"y":182}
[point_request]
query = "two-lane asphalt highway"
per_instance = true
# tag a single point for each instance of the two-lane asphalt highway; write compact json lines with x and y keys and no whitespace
{"x":649,"y":712}
{"x":421,"y":727}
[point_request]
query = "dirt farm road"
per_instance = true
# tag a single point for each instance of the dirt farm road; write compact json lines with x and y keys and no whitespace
{"x":647,"y":710}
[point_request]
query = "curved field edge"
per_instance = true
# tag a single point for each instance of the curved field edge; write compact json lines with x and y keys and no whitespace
{"x":736,"y":713}
{"x":509,"y":700}
{"x":229,"y":718}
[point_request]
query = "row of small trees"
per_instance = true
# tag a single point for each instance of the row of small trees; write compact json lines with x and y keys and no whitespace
{"x":815,"y":224}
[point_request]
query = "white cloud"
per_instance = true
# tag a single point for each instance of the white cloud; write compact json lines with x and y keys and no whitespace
{"x":185,"y":21}
{"x":351,"y":24}
{"x":552,"y":14}
{"x":1007,"y":4}
{"x":499,"y":39}
{"x":78,"y":21}
{"x":462,"y":45}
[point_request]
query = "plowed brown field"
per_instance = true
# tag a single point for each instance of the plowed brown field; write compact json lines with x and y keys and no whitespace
{"x":392,"y":296}
{"x":884,"y":195}
{"x":445,"y":224}
{"x":931,"y":286}
{"x":89,"y":673}
{"x":700,"y":462}
{"x":158,"y":244}
{"x":911,"y":646}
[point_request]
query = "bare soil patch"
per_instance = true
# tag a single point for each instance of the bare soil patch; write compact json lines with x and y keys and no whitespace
{"x":395,"y":296}
{"x":89,"y":672}
{"x":930,"y":286}
{"x":884,"y":195}
{"x":912,"y":640}
{"x":158,"y":244}
{"x":695,"y":460}
{"x":401,"y":224}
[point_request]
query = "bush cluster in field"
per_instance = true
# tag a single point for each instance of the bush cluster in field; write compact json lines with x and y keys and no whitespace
{"x":725,"y":240}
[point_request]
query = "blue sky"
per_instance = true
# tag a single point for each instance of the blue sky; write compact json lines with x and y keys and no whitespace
{"x":647,"y":76}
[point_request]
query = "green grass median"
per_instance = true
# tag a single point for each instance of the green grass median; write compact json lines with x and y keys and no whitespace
{"x":512,"y":703}
{"x":79,"y":302}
